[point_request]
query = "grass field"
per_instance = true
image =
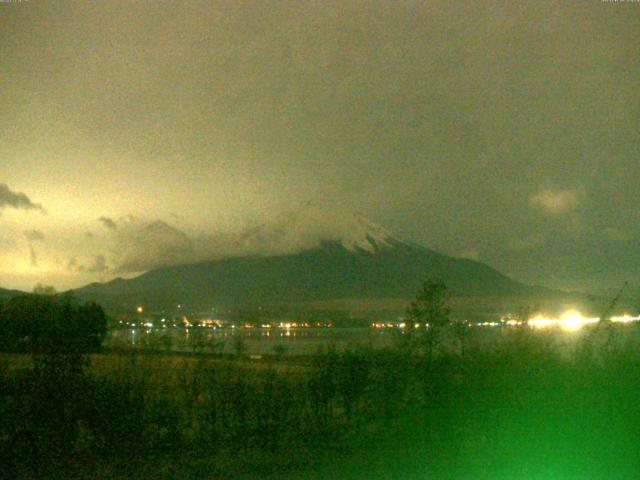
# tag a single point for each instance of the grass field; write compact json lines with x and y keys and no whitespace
{"x":517,"y":411}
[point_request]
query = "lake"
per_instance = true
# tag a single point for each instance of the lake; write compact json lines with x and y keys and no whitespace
{"x":305,"y":341}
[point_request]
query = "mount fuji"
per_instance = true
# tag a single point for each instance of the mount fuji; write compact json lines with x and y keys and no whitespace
{"x":314,"y":254}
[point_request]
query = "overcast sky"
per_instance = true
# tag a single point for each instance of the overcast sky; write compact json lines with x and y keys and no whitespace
{"x":506,"y":132}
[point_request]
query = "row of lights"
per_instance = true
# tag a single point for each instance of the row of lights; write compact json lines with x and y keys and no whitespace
{"x":574,"y":320}
{"x":570,"y":320}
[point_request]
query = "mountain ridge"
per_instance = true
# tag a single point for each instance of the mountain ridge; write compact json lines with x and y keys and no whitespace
{"x":328,"y":272}
{"x":308,"y":256}
{"x":9,"y":293}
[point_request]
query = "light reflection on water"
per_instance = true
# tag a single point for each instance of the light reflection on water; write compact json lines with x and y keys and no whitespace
{"x":308,"y":340}
{"x":256,"y":341}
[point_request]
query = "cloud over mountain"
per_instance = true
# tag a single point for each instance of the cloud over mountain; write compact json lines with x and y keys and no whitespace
{"x":98,"y":265}
{"x":134,"y":244}
{"x":140,"y":245}
{"x":297,"y":230}
{"x":18,"y":200}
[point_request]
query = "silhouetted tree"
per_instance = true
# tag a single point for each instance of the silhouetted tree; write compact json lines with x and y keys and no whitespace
{"x":46,"y":325}
{"x":41,"y":289}
{"x":431,"y":311}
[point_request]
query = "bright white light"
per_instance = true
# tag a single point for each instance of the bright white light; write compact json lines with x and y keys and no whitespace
{"x":541,"y":322}
{"x":574,"y":320}
{"x":570,"y":320}
{"x":626,"y":318}
{"x":487,"y":324}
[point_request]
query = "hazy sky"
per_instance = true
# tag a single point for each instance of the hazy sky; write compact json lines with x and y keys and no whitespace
{"x":502,"y":131}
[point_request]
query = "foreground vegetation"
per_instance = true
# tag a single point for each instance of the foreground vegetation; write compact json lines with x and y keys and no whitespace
{"x":519,"y":409}
{"x":443,"y":403}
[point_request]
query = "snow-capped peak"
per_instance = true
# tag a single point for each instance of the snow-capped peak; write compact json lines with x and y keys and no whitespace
{"x":309,"y":227}
{"x":314,"y":224}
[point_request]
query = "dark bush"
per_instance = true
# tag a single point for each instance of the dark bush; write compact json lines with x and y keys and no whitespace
{"x":48,"y":324}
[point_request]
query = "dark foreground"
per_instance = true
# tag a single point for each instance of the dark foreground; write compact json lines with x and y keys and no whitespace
{"x":518,"y":410}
